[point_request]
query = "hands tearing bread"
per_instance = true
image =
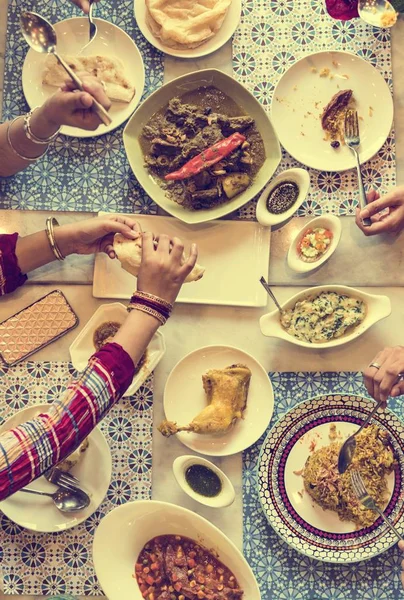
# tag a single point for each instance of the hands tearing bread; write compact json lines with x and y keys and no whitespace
{"x":129,"y":254}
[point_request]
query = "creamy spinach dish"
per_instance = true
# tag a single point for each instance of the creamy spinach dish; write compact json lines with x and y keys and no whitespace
{"x":321,"y":318}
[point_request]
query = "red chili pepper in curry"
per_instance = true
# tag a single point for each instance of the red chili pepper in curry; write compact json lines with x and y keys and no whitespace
{"x":208,"y":157}
{"x":173,"y":567}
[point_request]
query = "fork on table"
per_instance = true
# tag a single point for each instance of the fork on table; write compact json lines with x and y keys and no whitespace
{"x":367,"y":501}
{"x":352,"y":140}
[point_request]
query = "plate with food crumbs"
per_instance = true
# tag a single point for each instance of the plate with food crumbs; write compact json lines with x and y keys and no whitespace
{"x":308,"y":503}
{"x":100,"y":330}
{"x":310,"y":102}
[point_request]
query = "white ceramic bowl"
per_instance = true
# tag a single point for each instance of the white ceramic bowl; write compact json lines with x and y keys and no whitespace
{"x":82,"y":347}
{"x":330,"y":222}
{"x":180,"y":86}
{"x":122,"y":534}
{"x":224,"y":498}
{"x":378,"y":308}
{"x":301,"y":178}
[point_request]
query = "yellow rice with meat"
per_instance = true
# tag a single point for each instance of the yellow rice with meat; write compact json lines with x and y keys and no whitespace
{"x":373,"y":458}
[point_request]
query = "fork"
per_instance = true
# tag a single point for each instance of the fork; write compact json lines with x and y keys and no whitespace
{"x":352,"y":140}
{"x":361,"y":493}
{"x":93,"y":26}
{"x":62,"y":479}
{"x":270,"y":293}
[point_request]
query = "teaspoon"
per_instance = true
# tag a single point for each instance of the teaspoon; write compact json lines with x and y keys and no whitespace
{"x":64,"y":500}
{"x":41,"y":36}
{"x":379,"y":13}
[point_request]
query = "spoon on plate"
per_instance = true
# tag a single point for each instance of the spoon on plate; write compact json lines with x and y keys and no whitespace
{"x":348,"y":447}
{"x":379,"y":13}
{"x":64,"y":500}
{"x":41,"y":36}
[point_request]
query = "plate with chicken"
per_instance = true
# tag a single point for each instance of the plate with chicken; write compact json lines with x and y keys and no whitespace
{"x":218,"y":400}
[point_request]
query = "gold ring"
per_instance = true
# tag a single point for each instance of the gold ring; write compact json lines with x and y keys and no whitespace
{"x":375,"y":365}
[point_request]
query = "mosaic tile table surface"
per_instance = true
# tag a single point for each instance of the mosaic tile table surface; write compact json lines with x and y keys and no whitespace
{"x":90,"y":174}
{"x":49,"y":564}
{"x":272,"y":36}
{"x":283,"y":573}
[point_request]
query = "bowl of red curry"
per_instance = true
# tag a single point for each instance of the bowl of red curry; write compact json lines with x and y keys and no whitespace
{"x":159,"y":551}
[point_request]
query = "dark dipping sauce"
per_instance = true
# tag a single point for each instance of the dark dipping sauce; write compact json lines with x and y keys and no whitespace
{"x":174,"y":567}
{"x":203,"y":481}
{"x":282,"y":197}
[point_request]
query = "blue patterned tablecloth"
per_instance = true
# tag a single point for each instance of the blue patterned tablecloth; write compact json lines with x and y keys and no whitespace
{"x":283,"y":573}
{"x":272,"y":36}
{"x":90,"y":174}
{"x":44,"y":564}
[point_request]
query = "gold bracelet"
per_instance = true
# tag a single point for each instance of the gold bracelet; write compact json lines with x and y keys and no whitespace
{"x":153,"y":298}
{"x":50,"y":234}
{"x":21,"y":156}
{"x":149,"y":311}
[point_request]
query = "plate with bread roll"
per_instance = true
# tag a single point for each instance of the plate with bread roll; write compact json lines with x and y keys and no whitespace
{"x":225,"y":249}
{"x":187,"y":28}
{"x":112,"y":58}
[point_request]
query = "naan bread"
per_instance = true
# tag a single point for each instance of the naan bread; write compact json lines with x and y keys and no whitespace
{"x":129,"y":253}
{"x":185,"y":23}
{"x":108,"y":70}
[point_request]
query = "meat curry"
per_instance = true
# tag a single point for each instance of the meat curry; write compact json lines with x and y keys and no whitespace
{"x":173,"y":567}
{"x":202,"y":149}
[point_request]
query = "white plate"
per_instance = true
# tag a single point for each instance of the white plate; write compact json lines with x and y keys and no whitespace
{"x":82,"y":347}
{"x":121,"y":535}
{"x":378,"y":308}
{"x":39,"y":513}
{"x":184,"y":398}
{"x":110,"y":41}
{"x":291,"y":512}
{"x":234,"y":253}
{"x":177,"y":88}
{"x":229,"y":26}
{"x":299,"y":176}
{"x":300,"y":92}
{"x":330,"y":222}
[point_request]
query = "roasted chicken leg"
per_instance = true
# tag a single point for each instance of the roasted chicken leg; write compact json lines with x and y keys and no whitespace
{"x":226,"y":391}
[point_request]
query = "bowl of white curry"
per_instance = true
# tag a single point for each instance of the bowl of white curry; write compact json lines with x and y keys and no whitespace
{"x":325,"y":316}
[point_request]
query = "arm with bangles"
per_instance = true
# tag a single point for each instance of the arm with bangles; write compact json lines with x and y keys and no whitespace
{"x":32,"y":448}
{"x":26,"y":139}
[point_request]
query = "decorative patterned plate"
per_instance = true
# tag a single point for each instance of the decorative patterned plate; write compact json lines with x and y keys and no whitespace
{"x":300,"y":522}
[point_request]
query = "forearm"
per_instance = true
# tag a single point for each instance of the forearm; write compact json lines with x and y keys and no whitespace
{"x":10,"y":162}
{"x":135,"y":334}
{"x":32,"y":448}
{"x":34,"y":251}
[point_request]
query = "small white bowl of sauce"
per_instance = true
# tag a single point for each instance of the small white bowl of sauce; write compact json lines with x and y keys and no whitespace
{"x":282,"y":197}
{"x":314,"y":243}
{"x":203,"y":481}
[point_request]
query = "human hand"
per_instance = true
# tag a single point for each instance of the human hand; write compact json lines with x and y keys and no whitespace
{"x":401,"y":546}
{"x":384,"y":379}
{"x":390,"y":221}
{"x":161,"y":271}
{"x":94,"y":235}
{"x":71,"y":107}
{"x":84,"y":4}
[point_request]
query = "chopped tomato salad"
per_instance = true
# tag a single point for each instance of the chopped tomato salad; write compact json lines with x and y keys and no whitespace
{"x":314,"y":244}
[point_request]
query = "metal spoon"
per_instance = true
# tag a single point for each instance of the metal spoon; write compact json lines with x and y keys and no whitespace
{"x":375,"y":12}
{"x":92,"y":26}
{"x":348,"y":447}
{"x":41,"y":36}
{"x":65,"y":500}
{"x":270,"y":293}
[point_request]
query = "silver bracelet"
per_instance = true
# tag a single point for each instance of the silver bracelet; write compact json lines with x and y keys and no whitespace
{"x":31,"y":136}
{"x":21,"y":156}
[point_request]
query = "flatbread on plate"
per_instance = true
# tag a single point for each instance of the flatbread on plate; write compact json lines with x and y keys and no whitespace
{"x":129,"y":254}
{"x":185,"y":23}
{"x":110,"y":71}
